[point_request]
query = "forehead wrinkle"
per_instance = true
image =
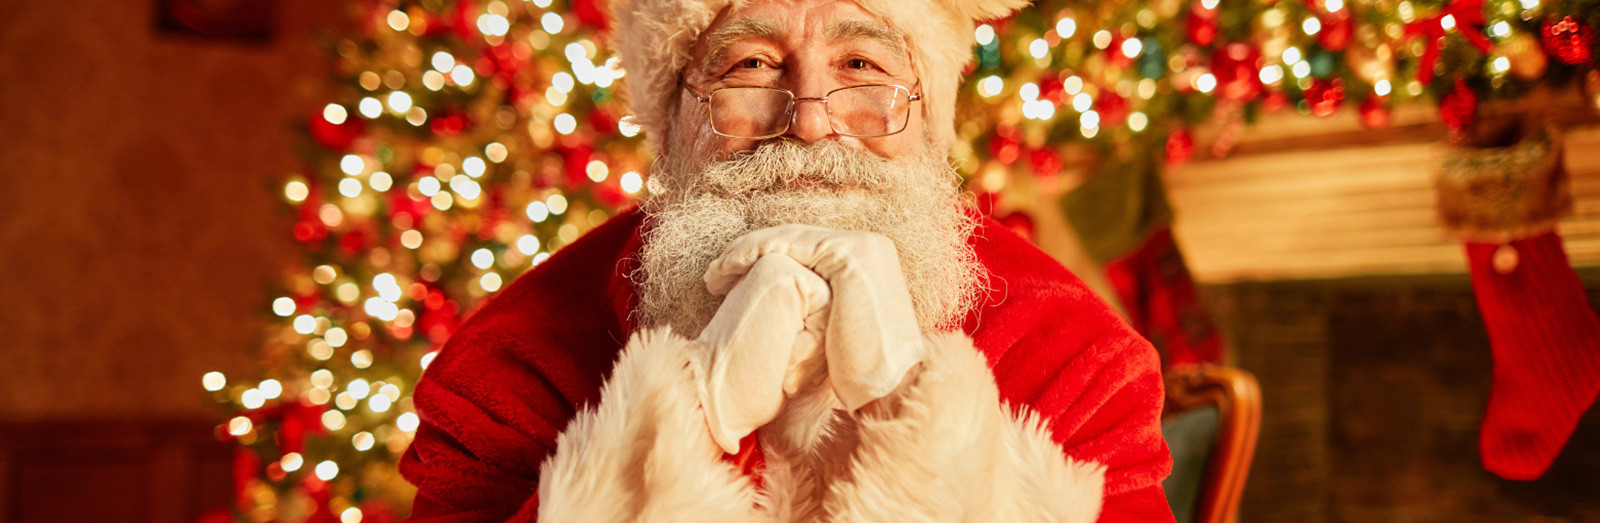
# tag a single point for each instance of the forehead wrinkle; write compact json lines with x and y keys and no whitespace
{"x":868,"y":30}
{"x":720,"y":39}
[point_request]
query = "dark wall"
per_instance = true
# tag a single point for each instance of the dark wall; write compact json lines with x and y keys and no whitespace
{"x":1373,"y":393}
{"x":139,"y":230}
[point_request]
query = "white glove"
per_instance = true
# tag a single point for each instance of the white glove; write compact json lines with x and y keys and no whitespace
{"x":766,"y":334}
{"x":872,"y":337}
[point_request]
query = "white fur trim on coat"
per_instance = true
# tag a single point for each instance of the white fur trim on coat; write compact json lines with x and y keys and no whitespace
{"x":941,"y":448}
{"x":645,"y":453}
{"x":945,"y":449}
{"x":654,"y":38}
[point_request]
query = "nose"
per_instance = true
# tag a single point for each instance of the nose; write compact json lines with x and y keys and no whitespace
{"x":810,"y":120}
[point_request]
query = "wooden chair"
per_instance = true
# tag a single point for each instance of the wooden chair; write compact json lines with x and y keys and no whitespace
{"x":1212,"y":418}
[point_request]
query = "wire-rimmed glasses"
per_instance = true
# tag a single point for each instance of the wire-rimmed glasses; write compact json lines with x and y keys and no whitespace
{"x":753,"y":112}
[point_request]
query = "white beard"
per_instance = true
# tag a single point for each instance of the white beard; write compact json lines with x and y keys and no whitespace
{"x":706,"y":204}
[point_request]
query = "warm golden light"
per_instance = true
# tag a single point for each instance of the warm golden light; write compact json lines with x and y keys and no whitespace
{"x":362,"y":441}
{"x":214,"y":381}
{"x":238,"y":426}
{"x":407,"y":422}
{"x":327,"y":470}
{"x":361,"y":359}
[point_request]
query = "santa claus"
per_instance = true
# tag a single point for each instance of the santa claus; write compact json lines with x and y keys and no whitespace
{"x":805,"y":322}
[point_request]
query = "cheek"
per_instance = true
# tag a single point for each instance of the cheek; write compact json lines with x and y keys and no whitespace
{"x":905,"y":146}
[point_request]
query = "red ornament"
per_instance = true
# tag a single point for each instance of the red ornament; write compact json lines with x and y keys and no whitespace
{"x":1569,"y":40}
{"x":1180,"y":147}
{"x":460,"y":20}
{"x":1046,"y":162}
{"x":1459,"y":108}
{"x":1325,"y":96}
{"x":575,"y":163}
{"x":1201,"y":26}
{"x":1019,"y":223}
{"x":308,"y":227}
{"x":1053,"y":89}
{"x":590,"y":15}
{"x":1337,"y":28}
{"x":360,"y":238}
{"x":337,"y":137}
{"x":1236,"y":68}
{"x":1374,"y":114}
{"x":406,"y":212}
{"x":603,"y":120}
{"x":1114,"y":55}
{"x":1113,"y":108}
{"x":1005,"y":147}
{"x":504,"y":61}
{"x":451,"y":122}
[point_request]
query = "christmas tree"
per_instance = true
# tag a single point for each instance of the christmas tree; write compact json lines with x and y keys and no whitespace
{"x":469,"y":139}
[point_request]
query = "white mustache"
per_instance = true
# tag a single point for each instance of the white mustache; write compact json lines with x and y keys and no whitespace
{"x":706,"y":205}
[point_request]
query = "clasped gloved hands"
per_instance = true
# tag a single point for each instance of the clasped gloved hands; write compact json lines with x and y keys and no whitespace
{"x":778,"y":302}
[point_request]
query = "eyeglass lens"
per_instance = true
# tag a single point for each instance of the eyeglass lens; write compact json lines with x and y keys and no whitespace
{"x":760,"y":112}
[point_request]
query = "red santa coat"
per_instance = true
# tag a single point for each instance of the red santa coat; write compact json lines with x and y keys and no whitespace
{"x":494,"y":401}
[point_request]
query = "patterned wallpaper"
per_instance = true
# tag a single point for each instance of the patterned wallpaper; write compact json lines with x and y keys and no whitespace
{"x":139,"y":228}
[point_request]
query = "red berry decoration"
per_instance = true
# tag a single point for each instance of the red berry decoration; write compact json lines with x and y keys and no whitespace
{"x":1374,"y":114}
{"x":1337,"y":28}
{"x":1459,"y":108}
{"x":1237,"y":72}
{"x":1568,"y":39}
{"x":1325,"y":96}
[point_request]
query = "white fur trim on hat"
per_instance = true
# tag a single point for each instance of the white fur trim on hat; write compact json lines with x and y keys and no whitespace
{"x":654,"y":38}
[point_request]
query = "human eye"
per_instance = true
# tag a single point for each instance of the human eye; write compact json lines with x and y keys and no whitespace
{"x":751,"y":63}
{"x":861,"y":64}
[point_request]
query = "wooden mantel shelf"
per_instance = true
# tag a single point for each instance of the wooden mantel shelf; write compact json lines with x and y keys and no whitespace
{"x":1309,"y":198}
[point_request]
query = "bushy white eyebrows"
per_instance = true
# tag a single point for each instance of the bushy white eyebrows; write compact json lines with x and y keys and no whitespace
{"x":868,"y":30}
{"x":719,"y":40}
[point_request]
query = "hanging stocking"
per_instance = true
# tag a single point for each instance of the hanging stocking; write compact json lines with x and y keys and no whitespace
{"x":1544,"y":336}
{"x":1546,"y":345}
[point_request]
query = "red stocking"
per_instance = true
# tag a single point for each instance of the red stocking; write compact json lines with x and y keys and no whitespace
{"x":1546,"y":344}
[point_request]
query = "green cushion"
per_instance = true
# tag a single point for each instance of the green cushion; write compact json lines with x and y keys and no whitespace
{"x":1190,"y":436}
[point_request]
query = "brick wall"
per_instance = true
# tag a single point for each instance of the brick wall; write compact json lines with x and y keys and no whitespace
{"x":1373,"y":391}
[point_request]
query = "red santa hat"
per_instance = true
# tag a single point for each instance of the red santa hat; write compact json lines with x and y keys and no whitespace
{"x":654,"y":38}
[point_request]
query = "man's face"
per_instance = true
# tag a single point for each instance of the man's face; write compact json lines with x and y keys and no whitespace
{"x":716,"y":189}
{"x":809,"y":48}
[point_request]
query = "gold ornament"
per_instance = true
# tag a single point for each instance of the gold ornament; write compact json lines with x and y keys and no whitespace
{"x":1527,"y":59}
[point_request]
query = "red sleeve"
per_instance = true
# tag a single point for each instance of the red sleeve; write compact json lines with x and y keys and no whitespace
{"x":1103,"y":402}
{"x":477,"y":453}
{"x":1057,"y":348}
{"x":513,"y":375}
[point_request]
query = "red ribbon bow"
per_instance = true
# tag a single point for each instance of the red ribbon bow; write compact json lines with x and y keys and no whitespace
{"x":1468,"y":16}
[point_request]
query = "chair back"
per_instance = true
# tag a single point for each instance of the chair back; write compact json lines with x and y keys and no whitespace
{"x":1212,"y":419}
